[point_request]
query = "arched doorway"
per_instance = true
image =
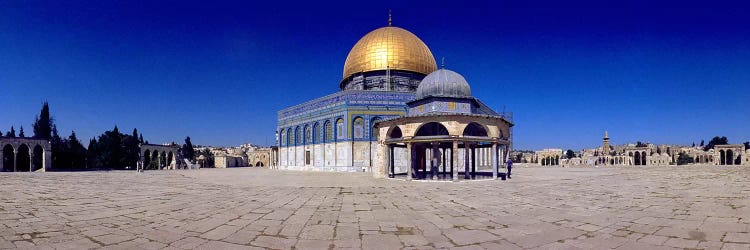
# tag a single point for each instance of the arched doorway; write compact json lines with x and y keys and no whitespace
{"x":730,"y":157}
{"x":163,"y":160}
{"x":258,"y":164}
{"x":169,"y":159}
{"x":38,"y":159}
{"x":8,"y":158}
{"x":147,"y":159}
{"x":421,"y":150}
{"x":637,"y":158}
{"x":24,"y":158}
{"x":155,"y":160}
{"x":643,"y":158}
{"x":722,"y":158}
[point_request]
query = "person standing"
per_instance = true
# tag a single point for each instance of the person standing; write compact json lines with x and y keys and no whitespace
{"x":510,"y":166}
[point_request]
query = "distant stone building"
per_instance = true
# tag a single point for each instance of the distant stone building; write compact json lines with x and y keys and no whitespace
{"x":548,"y":157}
{"x":25,"y":154}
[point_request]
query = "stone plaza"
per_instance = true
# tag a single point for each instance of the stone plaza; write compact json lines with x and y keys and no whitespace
{"x":703,"y":207}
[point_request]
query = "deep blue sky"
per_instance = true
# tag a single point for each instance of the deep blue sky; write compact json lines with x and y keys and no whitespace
{"x":218,"y":71}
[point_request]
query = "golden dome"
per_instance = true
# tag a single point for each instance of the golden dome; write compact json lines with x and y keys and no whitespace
{"x":392,"y":47}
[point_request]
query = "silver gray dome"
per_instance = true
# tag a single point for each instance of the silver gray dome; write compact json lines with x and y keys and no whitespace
{"x":443,"y":83}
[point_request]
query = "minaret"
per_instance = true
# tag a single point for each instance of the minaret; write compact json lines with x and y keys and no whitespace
{"x":605,"y":147}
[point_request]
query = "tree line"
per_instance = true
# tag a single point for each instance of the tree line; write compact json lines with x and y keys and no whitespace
{"x":110,"y":150}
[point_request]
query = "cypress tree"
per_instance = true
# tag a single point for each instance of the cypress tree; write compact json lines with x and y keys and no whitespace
{"x":43,"y":123}
{"x":20,"y":134}
{"x":12,"y":132}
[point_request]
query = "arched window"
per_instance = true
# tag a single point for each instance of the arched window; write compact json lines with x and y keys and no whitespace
{"x":308,"y":135}
{"x":297,"y":136}
{"x":340,"y":131}
{"x":358,"y":128}
{"x":289,"y":137}
{"x":283,"y":138}
{"x":315,"y":133}
{"x":328,"y":131}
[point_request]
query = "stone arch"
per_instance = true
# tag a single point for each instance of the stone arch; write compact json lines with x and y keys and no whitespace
{"x":722,"y":158}
{"x":23,"y":158}
{"x":373,"y":130}
{"x":475,"y":129}
{"x":637,"y":158}
{"x":431,"y":129}
{"x":259,"y":164}
{"x":358,"y":128}
{"x":146,"y":158}
{"x":37,"y":158}
{"x":170,"y":157}
{"x":163,"y":159}
{"x":8,"y":158}
{"x":154,"y":159}
{"x":395,"y":132}
{"x":729,"y":157}
{"x":643,"y":158}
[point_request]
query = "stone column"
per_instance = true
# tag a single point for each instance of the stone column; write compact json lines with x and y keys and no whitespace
{"x":409,"y":162}
{"x":15,"y":160}
{"x":454,"y":161}
{"x":494,"y":161}
{"x":435,"y":161}
{"x":466,"y":160}
{"x":31,"y":161}
{"x":473,"y":160}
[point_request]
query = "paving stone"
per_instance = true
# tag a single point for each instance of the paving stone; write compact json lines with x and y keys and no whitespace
{"x":467,"y":237}
{"x":381,"y":241}
{"x":273,"y":242}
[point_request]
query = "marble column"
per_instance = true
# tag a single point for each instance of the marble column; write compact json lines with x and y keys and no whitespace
{"x":494,"y":161}
{"x":454,"y":161}
{"x":409,"y":162}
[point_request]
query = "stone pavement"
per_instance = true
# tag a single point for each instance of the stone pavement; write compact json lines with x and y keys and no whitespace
{"x":545,"y":208}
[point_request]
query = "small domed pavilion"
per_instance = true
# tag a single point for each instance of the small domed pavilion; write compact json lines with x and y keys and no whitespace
{"x":446,"y":131}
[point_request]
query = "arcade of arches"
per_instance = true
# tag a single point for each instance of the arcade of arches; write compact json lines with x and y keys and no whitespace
{"x":25,"y":155}
{"x":439,"y":147}
{"x":155,"y":157}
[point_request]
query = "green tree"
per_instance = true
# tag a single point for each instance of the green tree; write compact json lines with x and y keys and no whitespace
{"x":21,"y":134}
{"x":132,"y":149}
{"x":640,"y":144}
{"x":187,"y":150}
{"x":570,"y":154}
{"x":683,"y":159}
{"x":747,"y":145}
{"x":92,"y":154}
{"x":702,"y":143}
{"x":716,"y":141}
{"x":11,"y":133}
{"x":76,"y":152}
{"x":43,"y":123}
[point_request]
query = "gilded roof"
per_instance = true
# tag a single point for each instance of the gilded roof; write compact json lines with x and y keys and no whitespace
{"x":391,"y":47}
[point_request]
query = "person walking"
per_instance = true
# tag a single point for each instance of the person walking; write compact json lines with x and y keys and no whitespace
{"x":510,"y":166}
